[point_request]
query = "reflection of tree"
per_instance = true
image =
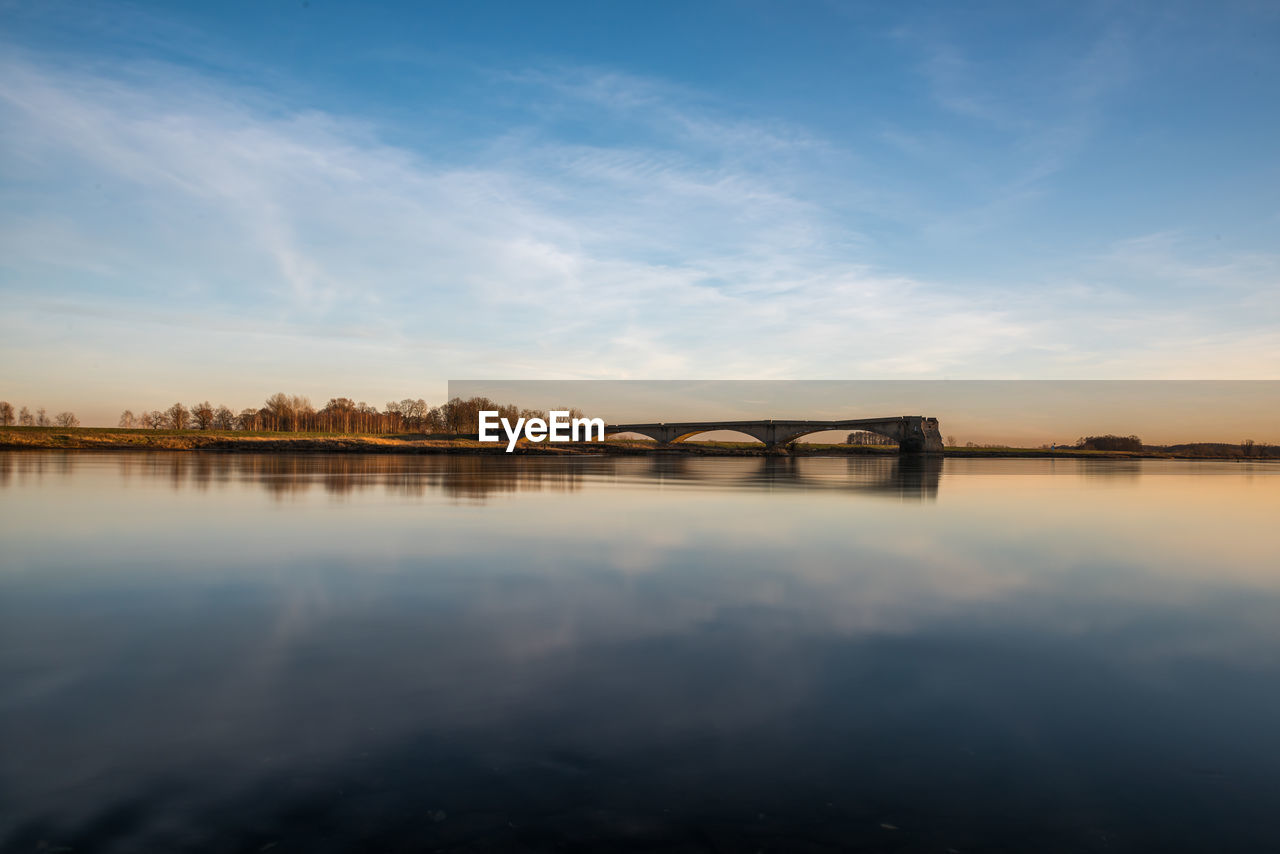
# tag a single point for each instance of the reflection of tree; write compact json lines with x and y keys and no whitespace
{"x":476,"y":477}
{"x":1110,"y":469}
{"x":284,"y":475}
{"x":33,"y":466}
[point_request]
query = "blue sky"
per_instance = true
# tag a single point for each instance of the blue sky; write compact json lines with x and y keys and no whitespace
{"x":224,"y":200}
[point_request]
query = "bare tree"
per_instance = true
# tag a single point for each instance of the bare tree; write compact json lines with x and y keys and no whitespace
{"x":202,"y":415}
{"x":279,"y":410}
{"x":178,"y":416}
{"x":24,"y":418}
{"x":144,"y":420}
{"x":304,"y":414}
{"x":6,"y":413}
{"x":434,"y":421}
{"x":224,"y":419}
{"x":159,"y":420}
{"x":42,"y":418}
{"x":413,"y":412}
{"x":127,"y":420}
{"x":288,"y":412}
{"x":67,"y":419}
{"x":951,"y":440}
{"x":248,"y":419}
{"x":339,"y":414}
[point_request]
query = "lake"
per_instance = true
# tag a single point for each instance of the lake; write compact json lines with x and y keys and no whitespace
{"x":317,"y":653}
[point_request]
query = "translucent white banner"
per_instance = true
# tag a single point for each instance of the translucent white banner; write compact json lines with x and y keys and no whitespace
{"x":1022,"y":412}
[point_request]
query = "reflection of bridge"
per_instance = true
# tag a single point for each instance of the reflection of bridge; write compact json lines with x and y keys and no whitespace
{"x":914,"y":434}
{"x":912,"y":477}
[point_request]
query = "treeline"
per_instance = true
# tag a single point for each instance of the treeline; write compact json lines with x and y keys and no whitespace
{"x":1248,"y":449}
{"x":1109,"y":442}
{"x":284,"y":413}
{"x":863,"y":437}
{"x":25,"y":418}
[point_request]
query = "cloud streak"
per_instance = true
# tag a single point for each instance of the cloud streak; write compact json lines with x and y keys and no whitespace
{"x":679,"y":242}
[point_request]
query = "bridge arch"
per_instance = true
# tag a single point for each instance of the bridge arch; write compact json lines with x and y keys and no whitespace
{"x":890,"y":435}
{"x":745,"y":433}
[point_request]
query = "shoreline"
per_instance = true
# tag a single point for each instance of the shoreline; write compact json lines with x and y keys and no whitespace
{"x":110,"y":439}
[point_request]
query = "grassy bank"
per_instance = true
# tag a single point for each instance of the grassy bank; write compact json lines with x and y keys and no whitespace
{"x":115,"y":439}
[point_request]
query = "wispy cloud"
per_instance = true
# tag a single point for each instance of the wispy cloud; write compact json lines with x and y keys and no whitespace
{"x":1037,"y":103}
{"x":707,"y":244}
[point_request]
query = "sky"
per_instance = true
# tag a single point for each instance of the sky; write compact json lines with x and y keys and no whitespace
{"x":225,"y":200}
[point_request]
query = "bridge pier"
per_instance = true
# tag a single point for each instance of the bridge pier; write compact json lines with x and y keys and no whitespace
{"x":920,"y":436}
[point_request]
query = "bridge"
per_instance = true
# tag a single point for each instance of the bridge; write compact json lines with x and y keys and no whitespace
{"x":913,"y":434}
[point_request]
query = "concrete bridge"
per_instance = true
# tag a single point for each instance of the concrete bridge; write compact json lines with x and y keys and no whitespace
{"x":914,"y":434}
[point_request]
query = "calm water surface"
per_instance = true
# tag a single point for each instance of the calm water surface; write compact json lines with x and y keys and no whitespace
{"x":346,"y":653}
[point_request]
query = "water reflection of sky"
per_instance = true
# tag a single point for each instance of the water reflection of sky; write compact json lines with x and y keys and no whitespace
{"x":223,"y":650}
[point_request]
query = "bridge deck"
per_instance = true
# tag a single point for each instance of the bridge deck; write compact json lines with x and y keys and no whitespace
{"x":840,"y":424}
{"x":912,"y":433}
